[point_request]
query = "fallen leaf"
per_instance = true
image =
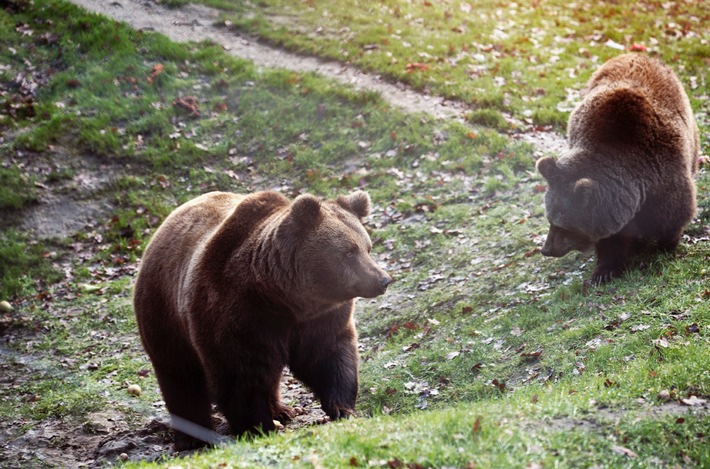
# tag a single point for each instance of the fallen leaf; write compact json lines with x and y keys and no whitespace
{"x":416,"y":66}
{"x":693,"y":401}
{"x":624,"y":451}
{"x":661,"y":342}
{"x":155,"y":71}
{"x":477,"y":425}
{"x":395,"y":463}
{"x":499,"y":384}
{"x":189,"y":104}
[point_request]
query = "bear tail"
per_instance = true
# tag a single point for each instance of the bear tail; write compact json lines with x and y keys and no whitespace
{"x":620,"y":115}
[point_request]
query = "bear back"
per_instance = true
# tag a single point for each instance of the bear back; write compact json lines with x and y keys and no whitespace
{"x":636,"y":102}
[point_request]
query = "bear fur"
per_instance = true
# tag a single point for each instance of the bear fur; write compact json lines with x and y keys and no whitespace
{"x":628,"y":175}
{"x":233,"y":288}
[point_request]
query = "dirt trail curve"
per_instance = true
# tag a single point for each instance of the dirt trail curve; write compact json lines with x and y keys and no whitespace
{"x":197,"y":22}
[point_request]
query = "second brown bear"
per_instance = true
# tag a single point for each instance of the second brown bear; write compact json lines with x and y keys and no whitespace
{"x":233,"y":288}
{"x":629,"y":173}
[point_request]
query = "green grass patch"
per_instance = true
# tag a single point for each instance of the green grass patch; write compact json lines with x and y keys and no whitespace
{"x":525,"y":59}
{"x":17,"y":189}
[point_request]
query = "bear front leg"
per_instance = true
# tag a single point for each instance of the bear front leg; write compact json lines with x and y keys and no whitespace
{"x":612,"y":254}
{"x":327,"y":362}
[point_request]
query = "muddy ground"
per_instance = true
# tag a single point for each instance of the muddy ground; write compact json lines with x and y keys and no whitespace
{"x":106,"y":438}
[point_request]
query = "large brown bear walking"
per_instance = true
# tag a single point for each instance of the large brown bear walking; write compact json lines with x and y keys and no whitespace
{"x":628,"y":175}
{"x":233,"y":288}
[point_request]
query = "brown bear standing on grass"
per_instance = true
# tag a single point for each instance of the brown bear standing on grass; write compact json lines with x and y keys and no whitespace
{"x":233,"y":288}
{"x":628,"y":175}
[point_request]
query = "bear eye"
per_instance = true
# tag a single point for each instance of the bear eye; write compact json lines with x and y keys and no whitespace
{"x":351,"y":252}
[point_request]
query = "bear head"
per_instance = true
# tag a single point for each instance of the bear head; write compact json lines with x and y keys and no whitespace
{"x":330,"y":248}
{"x":572,"y":206}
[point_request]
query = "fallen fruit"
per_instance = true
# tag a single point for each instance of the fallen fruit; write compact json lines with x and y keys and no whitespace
{"x":134,"y":390}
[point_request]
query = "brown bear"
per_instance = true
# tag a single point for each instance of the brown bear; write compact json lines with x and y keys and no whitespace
{"x":233,"y":288}
{"x":628,"y":176}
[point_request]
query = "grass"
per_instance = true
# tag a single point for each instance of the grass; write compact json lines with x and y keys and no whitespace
{"x":525,"y":61}
{"x":482,"y":353}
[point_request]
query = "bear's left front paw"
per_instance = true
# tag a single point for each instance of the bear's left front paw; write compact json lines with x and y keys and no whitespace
{"x":336,"y":412}
{"x":605,"y":274}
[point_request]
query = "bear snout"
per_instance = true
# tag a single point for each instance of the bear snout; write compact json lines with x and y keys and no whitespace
{"x":384,"y":282}
{"x":554,"y":247}
{"x":377,"y":285}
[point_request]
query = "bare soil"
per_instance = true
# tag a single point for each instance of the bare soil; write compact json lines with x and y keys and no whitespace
{"x":106,"y":437}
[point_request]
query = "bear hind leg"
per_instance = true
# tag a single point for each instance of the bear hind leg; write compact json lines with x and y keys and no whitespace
{"x":280,"y":412}
{"x":671,"y":241}
{"x":186,"y":396}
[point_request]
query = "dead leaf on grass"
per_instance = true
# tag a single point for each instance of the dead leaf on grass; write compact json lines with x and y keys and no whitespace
{"x":624,"y":451}
{"x":476,"y":425}
{"x":693,"y":401}
{"x":189,"y":104}
{"x":416,"y":66}
{"x":534,"y":354}
{"x":154,"y":72}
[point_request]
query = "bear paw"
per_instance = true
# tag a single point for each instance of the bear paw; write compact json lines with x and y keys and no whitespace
{"x":183,"y":442}
{"x":336,"y":412}
{"x":283,"y":413}
{"x":605,"y":274}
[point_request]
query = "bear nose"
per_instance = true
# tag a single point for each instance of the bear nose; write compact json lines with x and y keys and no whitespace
{"x":385,"y":281}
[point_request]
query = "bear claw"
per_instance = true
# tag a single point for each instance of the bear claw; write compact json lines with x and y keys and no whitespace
{"x":601,"y":276}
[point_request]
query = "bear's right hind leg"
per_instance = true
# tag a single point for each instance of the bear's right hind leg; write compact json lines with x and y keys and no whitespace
{"x":670,"y":241}
{"x":186,"y":396}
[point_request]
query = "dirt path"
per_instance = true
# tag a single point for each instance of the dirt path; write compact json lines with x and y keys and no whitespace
{"x":197,"y":23}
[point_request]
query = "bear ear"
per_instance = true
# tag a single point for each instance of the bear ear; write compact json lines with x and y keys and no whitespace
{"x":306,"y":208}
{"x":547,"y":166}
{"x":358,"y":202}
{"x":585,"y":188}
